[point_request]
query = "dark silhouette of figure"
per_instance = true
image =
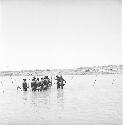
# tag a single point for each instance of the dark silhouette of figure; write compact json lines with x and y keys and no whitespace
{"x":38,"y":84}
{"x":33,"y":84}
{"x":24,"y":85}
{"x":47,"y":83}
{"x":42,"y":84}
{"x":60,"y":82}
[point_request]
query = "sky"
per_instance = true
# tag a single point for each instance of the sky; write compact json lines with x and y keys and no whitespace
{"x":48,"y":34}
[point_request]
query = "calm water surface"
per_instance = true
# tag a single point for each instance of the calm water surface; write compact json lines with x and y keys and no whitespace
{"x":85,"y":100}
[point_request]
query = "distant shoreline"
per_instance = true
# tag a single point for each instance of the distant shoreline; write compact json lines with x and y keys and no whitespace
{"x":95,"y":70}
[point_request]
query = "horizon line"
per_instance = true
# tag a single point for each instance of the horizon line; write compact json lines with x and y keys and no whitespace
{"x":61,"y":68}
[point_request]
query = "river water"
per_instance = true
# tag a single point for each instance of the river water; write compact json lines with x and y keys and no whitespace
{"x":85,"y":100}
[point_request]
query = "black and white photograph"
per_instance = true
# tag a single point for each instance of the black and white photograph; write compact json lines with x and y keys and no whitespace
{"x":61,"y":62}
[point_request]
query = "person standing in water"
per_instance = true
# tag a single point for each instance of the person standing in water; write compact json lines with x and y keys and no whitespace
{"x":62,"y":82}
{"x":46,"y":83}
{"x":42,"y":84}
{"x":58,"y":81}
{"x":38,"y":84}
{"x":24,"y":85}
{"x":33,"y":84}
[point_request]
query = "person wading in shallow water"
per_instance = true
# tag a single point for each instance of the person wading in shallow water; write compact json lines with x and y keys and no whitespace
{"x":46,"y":83}
{"x":38,"y":84}
{"x":33,"y":84}
{"x":42,"y":84}
{"x":24,"y":85}
{"x":60,"y":82}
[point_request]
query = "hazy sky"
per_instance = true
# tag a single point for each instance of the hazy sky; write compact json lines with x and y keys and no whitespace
{"x":40,"y":34}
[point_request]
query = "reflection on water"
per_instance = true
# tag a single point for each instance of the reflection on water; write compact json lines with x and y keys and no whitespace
{"x":60,"y":98}
{"x":79,"y":103}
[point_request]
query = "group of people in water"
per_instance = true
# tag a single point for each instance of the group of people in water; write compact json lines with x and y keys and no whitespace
{"x":43,"y":84}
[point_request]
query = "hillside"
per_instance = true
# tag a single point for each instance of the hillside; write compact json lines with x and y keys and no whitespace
{"x":110,"y":69}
